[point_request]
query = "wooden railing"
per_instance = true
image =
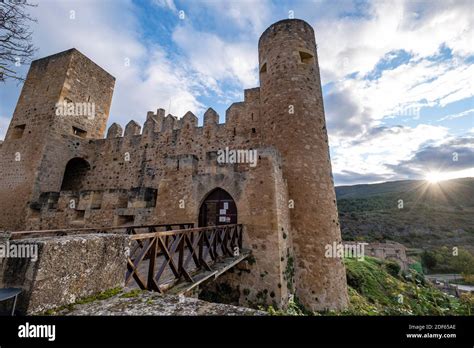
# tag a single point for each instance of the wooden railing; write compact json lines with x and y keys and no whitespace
{"x":180,"y":253}
{"x":117,"y":229}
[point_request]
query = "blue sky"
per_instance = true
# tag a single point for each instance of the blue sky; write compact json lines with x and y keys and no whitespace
{"x":397,"y":75}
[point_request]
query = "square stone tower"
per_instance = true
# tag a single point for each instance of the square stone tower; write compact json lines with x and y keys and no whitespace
{"x":65,"y":96}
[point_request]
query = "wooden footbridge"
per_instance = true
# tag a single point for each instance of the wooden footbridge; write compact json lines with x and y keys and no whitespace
{"x":172,"y":258}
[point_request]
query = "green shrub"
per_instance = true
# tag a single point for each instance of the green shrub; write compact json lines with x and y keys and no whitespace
{"x":374,"y":291}
{"x":416,"y":266}
{"x":428,"y":260}
{"x":392,"y":268}
{"x":448,"y":260}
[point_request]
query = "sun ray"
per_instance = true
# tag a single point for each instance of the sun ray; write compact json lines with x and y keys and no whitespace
{"x":434,"y":177}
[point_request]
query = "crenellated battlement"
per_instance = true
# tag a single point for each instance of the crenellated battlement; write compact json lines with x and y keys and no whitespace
{"x":241,"y":118}
{"x":134,"y":155}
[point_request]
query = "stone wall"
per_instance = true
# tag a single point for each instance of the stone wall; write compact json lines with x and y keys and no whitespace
{"x":264,"y":279}
{"x":389,"y":251}
{"x":392,"y":251}
{"x":67,"y":268}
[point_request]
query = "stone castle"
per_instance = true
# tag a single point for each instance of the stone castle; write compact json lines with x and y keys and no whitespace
{"x":58,"y":171}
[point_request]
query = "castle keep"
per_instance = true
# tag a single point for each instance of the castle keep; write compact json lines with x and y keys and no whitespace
{"x":58,"y":171}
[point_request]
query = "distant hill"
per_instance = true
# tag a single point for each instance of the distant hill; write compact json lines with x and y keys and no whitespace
{"x":413,"y":212}
{"x":457,"y":192}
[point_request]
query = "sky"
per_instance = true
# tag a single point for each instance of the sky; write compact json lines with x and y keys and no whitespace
{"x":397,"y":76}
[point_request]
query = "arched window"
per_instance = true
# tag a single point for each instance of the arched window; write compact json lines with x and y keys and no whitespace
{"x":74,"y":174}
{"x":218,"y":208}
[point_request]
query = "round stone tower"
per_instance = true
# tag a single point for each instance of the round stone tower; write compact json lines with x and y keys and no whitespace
{"x":293,"y":121}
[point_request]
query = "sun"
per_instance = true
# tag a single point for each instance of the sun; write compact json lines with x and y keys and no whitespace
{"x":434,"y":177}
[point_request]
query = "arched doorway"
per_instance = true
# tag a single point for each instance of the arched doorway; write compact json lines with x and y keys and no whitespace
{"x":218,"y":208}
{"x":74,"y":174}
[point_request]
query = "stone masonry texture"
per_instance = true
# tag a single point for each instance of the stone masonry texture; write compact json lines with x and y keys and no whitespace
{"x":67,"y":269}
{"x":69,"y":172}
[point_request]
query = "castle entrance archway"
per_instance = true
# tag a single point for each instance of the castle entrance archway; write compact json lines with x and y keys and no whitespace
{"x":218,"y":208}
{"x":74,"y":174}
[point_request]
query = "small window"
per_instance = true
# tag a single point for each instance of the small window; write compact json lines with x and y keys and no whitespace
{"x":263,"y":69}
{"x":79,"y":215}
{"x":253,"y":130}
{"x":52,"y":203}
{"x":306,"y":57}
{"x":18,"y":131}
{"x":79,"y":132}
{"x":96,"y":202}
{"x":35,"y":213}
{"x":125,"y":220}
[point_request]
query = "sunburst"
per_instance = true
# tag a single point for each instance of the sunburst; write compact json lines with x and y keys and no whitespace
{"x":434,"y":177}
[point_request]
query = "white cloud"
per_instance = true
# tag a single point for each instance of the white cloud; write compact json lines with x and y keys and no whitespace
{"x":412,"y":85}
{"x":350,"y":44}
{"x":458,"y":115}
{"x":164,"y":84}
{"x":372,"y":151}
{"x":110,"y":36}
{"x":356,"y":106}
{"x":4,"y":122}
{"x":166,"y":4}
{"x":249,"y":15}
{"x":217,"y":60}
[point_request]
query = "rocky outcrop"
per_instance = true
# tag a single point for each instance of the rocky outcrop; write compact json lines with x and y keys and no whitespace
{"x":152,"y":303}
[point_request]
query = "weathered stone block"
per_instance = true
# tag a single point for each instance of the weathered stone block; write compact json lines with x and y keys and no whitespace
{"x":67,"y":268}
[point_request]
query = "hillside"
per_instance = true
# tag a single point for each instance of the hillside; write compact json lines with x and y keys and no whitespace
{"x":375,"y":288}
{"x":457,"y":192}
{"x":413,"y":212}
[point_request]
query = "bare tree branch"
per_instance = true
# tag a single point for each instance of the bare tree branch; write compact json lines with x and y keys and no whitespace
{"x":16,"y":47}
